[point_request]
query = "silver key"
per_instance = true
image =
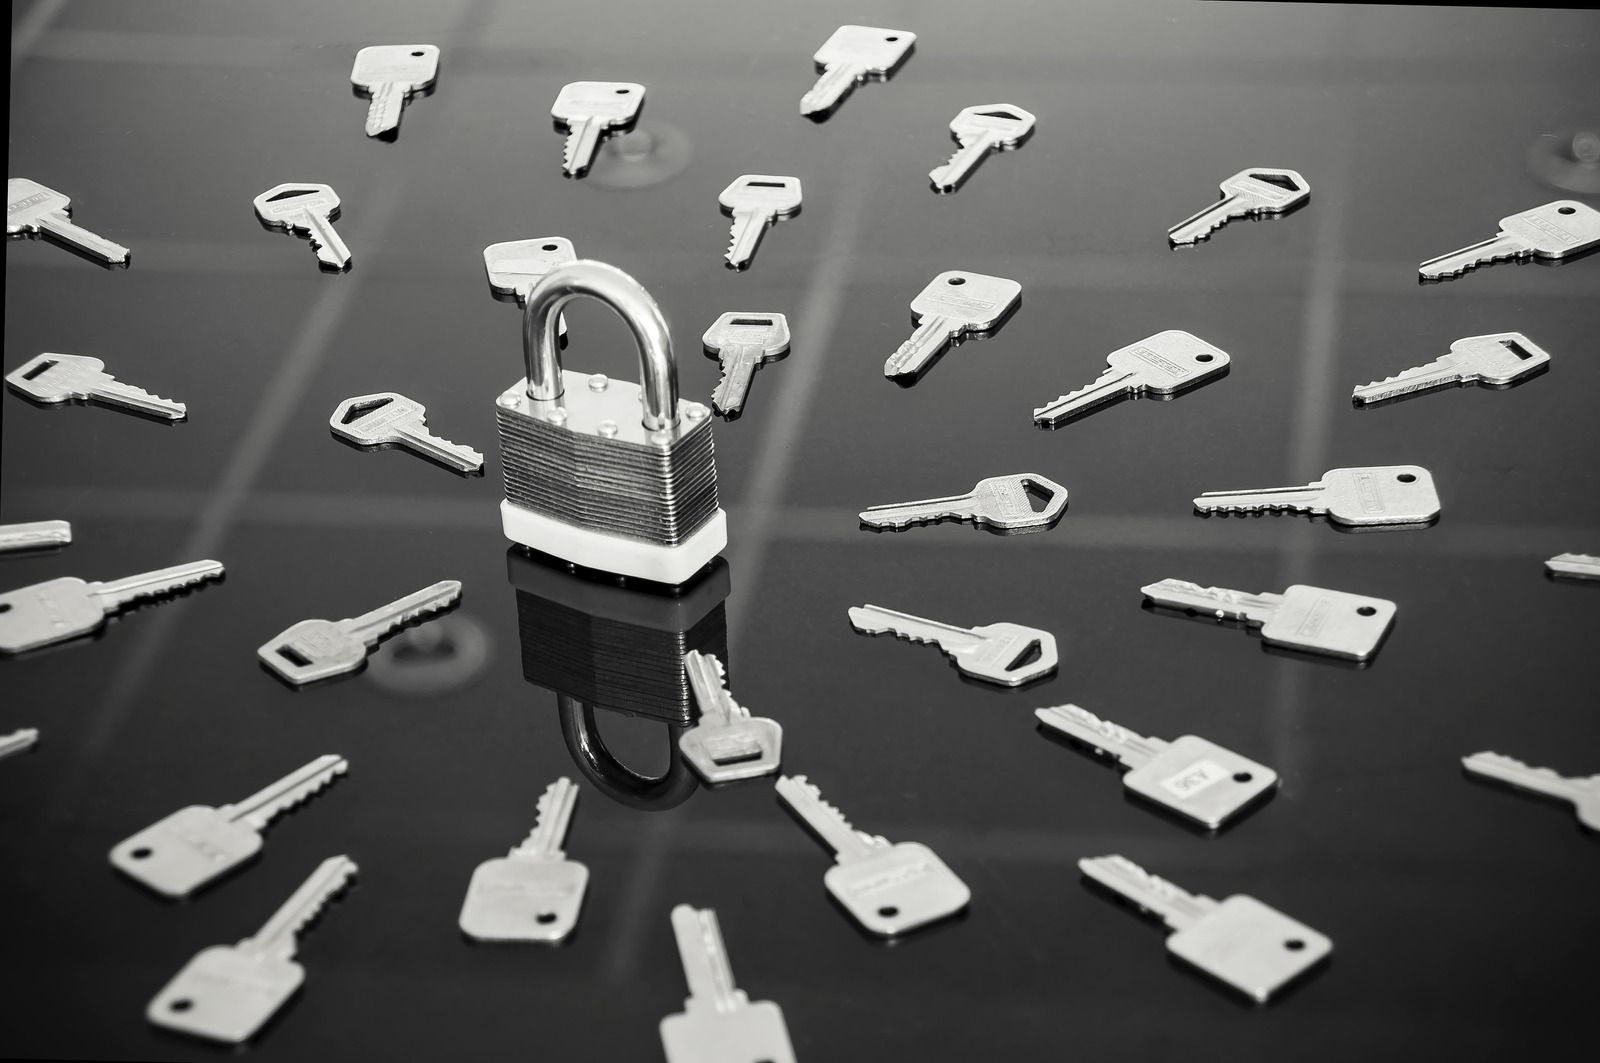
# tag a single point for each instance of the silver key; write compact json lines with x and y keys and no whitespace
{"x":515,"y":266}
{"x":1582,"y":791}
{"x":1161,"y":367}
{"x":741,"y":342}
{"x":34,"y":210}
{"x":955,"y":306}
{"x":307,"y":208}
{"x":1004,"y":503}
{"x":61,"y":609}
{"x":980,"y":130}
{"x":1199,"y":780}
{"x":533,"y":893}
{"x":51,"y":378}
{"x":388,"y":419}
{"x":1240,"y":941}
{"x":391,"y":74}
{"x":756,"y":201}
{"x":719,"y":1024}
{"x":1364,"y":497}
{"x":726,"y":743}
{"x":196,"y":845}
{"x":887,"y":888}
{"x":852,"y":56}
{"x":228,"y":992}
{"x":591,"y":110}
{"x":1497,"y":360}
{"x":1001,"y":653}
{"x":1252,"y":193}
{"x":1574,"y":566}
{"x":18,"y":741}
{"x":320,"y":649}
{"x":1308,"y":618}
{"x":1552,"y":232}
{"x":35,"y":535}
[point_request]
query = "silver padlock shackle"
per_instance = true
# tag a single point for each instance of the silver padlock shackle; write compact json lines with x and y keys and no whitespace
{"x":658,"y":373}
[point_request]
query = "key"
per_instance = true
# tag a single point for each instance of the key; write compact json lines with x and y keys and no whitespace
{"x":718,"y":1023}
{"x":33,"y":210}
{"x":515,"y":266}
{"x":1497,"y":360}
{"x":1253,"y":193}
{"x":1364,"y":497}
{"x":1161,"y":367}
{"x":1198,"y":780}
{"x":1314,"y":619}
{"x":1240,"y":941}
{"x":320,"y":649}
{"x":34,"y":536}
{"x":18,"y":741}
{"x":955,"y":306}
{"x":196,"y":845}
{"x":1001,"y":502}
{"x":533,"y":893}
{"x":306,"y":208}
{"x":388,"y":419}
{"x":61,"y":609}
{"x":887,"y":888}
{"x":228,"y":992}
{"x":726,"y":744}
{"x":1552,"y":232}
{"x":989,"y":127}
{"x":391,"y":74}
{"x":1580,"y":791}
{"x":741,"y":342}
{"x":53,"y":378}
{"x":756,"y":201}
{"x":1001,"y":653}
{"x":591,"y":110}
{"x":854,"y":55}
{"x":1574,"y":566}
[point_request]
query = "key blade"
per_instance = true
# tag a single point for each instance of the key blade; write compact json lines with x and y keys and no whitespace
{"x":1176,"y":907}
{"x":1310,"y":499}
{"x":876,"y":620}
{"x":1509,"y":770}
{"x":554,"y":819}
{"x":1499,"y":248}
{"x":277,"y":937}
{"x":299,"y":786}
{"x":1574,"y":566}
{"x":1441,"y":372}
{"x":1218,"y":602}
{"x":119,"y":594}
{"x":705,"y":960}
{"x":372,"y":626}
{"x":37,"y":535}
{"x":1132,"y":749}
{"x":707,"y":681}
{"x":803,"y":798}
{"x":18,"y":741}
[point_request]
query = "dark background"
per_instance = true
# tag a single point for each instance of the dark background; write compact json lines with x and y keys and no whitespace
{"x":1463,"y":916}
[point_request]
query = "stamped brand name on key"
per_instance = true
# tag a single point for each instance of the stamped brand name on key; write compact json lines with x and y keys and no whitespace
{"x":1193,"y":779}
{"x":1316,"y":619}
{"x":26,"y":202}
{"x":532,"y":888}
{"x":1155,"y":361}
{"x":891,"y":879}
{"x":48,"y":608}
{"x":1367,"y":493}
{"x":972,"y":306}
{"x":203,"y":846}
{"x":1553,"y":231}
{"x":236,"y":979}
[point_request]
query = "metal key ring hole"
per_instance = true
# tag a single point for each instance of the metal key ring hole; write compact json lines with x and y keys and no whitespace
{"x":545,"y":918}
{"x":956,"y":280}
{"x":181,"y":1004}
{"x":888,"y":911}
{"x":1242,"y":776}
{"x":419,"y":55}
{"x":1294,"y":944}
{"x":1205,"y":357}
{"x":891,"y":39}
{"x":1366,"y":610}
{"x":142,"y":853}
{"x":1566,"y":210}
{"x":1406,"y":478}
{"x":548,"y":247}
{"x":623,"y":92}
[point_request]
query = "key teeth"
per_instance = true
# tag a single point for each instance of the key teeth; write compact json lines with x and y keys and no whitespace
{"x":164,"y":589}
{"x":815,"y":793}
{"x":1154,"y":883}
{"x":1224,"y":508}
{"x":1115,"y":732}
{"x":301,"y":794}
{"x":338,"y":885}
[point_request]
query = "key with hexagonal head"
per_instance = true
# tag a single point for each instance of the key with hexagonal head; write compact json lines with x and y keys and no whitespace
{"x":389,"y":419}
{"x":1004,"y":653}
{"x":54,"y":378}
{"x":1363,"y":497}
{"x":726,"y":743}
{"x":1497,"y":360}
{"x":1004,"y":503}
{"x":852,"y":56}
{"x":591,"y":110}
{"x":756,"y":201}
{"x":321,"y":649}
{"x":980,"y":130}
{"x":1253,"y":193}
{"x":533,"y":893}
{"x":1551,"y":232}
{"x":741,"y":342}
{"x":34,"y":210}
{"x":65,"y":608}
{"x":309,"y":208}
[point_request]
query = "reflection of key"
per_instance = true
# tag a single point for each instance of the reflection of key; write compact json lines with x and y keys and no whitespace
{"x":391,"y":74}
{"x":852,"y":56}
{"x":32,"y":209}
{"x":718,"y":1023}
{"x":306,"y":208}
{"x":1198,"y":780}
{"x":533,"y":893}
{"x":726,"y":743}
{"x":889,"y":888}
{"x":389,"y":419}
{"x":1383,"y":494}
{"x":1580,"y":791}
{"x":591,"y":110}
{"x":198,"y":844}
{"x":1497,"y":360}
{"x":34,"y":535}
{"x":954,"y":306}
{"x":1004,"y":502}
{"x":18,"y":741}
{"x":515,"y":266}
{"x":1250,"y":193}
{"x":1160,"y":366}
{"x":53,"y":378}
{"x":1552,"y":232}
{"x":1574,"y":566}
{"x":756,"y":201}
{"x":1255,"y":949}
{"x":1302,"y":617}
{"x":320,"y":649}
{"x":1000,"y":653}
{"x":741,"y":342}
{"x":65,"y":608}
{"x":980,"y":130}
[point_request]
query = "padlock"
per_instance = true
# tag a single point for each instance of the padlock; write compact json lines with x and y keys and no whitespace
{"x":609,"y":475}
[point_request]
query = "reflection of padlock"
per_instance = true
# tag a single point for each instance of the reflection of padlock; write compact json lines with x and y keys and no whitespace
{"x":609,"y":475}
{"x":650,"y":793}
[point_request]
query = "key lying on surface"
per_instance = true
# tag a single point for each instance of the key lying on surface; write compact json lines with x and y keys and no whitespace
{"x":515,"y":266}
{"x":955,"y":306}
{"x":34,"y":535}
{"x":387,"y":419}
{"x":726,"y":743}
{"x":741,"y":342}
{"x":228,"y":992}
{"x":854,"y":55}
{"x":1581,"y":791}
{"x":1253,"y":193}
{"x":1497,"y":360}
{"x":1552,"y":232}
{"x":718,"y":1023}
{"x":986,"y":128}
{"x":591,"y":110}
{"x":1302,"y":617}
{"x":19,"y":741}
{"x":1255,"y":949}
{"x":1160,"y":367}
{"x":1002,"y":502}
{"x":60,"y":609}
{"x":887,"y":888}
{"x":756,"y":201}
{"x":1574,"y":566}
{"x":1198,"y":780}
{"x":306,"y":208}
{"x":391,"y":74}
{"x":34,"y":210}
{"x":52,"y":378}
{"x":321,"y":649}
{"x":1381,"y":494}
{"x":994,"y":652}
{"x":198,"y":844}
{"x":533,"y":893}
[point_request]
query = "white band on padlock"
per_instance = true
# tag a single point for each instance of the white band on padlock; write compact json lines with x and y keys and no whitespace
{"x":614,"y":553}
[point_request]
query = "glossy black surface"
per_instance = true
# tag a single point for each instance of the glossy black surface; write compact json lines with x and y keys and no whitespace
{"x":1463,"y":916}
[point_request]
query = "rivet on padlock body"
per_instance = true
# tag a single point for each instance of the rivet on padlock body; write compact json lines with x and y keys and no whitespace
{"x":613,"y":476}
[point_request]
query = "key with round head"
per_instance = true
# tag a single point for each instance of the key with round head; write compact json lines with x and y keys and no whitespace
{"x":391,"y":74}
{"x":741,"y":342}
{"x":988,"y":127}
{"x":591,"y":110}
{"x":1551,"y":232}
{"x":955,"y":306}
{"x":387,"y":419}
{"x":515,"y":266}
{"x":306,"y":207}
{"x":228,"y":992}
{"x":853,"y":56}
{"x":199,"y":844}
{"x":1361,"y":498}
{"x":719,"y":1024}
{"x":1003,"y":653}
{"x":33,"y":210}
{"x":1574,"y":566}
{"x":756,"y":201}
{"x":1161,"y":367}
{"x":888,"y":888}
{"x":35,"y":535}
{"x":1254,"y":193}
{"x":1581,"y":791}
{"x":1497,"y":360}
{"x":533,"y":893}
{"x":18,"y":741}
{"x":321,"y":649}
{"x":726,"y":743}
{"x":1313,"y":619}
{"x":54,"y":378}
{"x":61,"y":609}
{"x":1004,"y":503}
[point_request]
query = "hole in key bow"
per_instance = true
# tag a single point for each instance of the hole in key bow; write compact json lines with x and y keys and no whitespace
{"x":888,"y":911}
{"x":361,"y":409}
{"x":1030,"y":654}
{"x":623,"y":92}
{"x":181,"y":1004}
{"x":293,"y":193}
{"x":419,"y":55}
{"x":1406,"y":478}
{"x":956,"y":280}
{"x":1007,"y":115}
{"x":1566,"y":210}
{"x":1242,"y":776}
{"x":5,"y":607}
{"x":142,"y":853}
{"x":1294,"y":944}
{"x":1367,"y":610}
{"x":1039,"y":498}
{"x":1278,"y":180}
{"x":545,"y":918}
{"x":549,"y":247}
{"x":41,"y":368}
{"x":1205,"y":357}
{"x":891,"y":39}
